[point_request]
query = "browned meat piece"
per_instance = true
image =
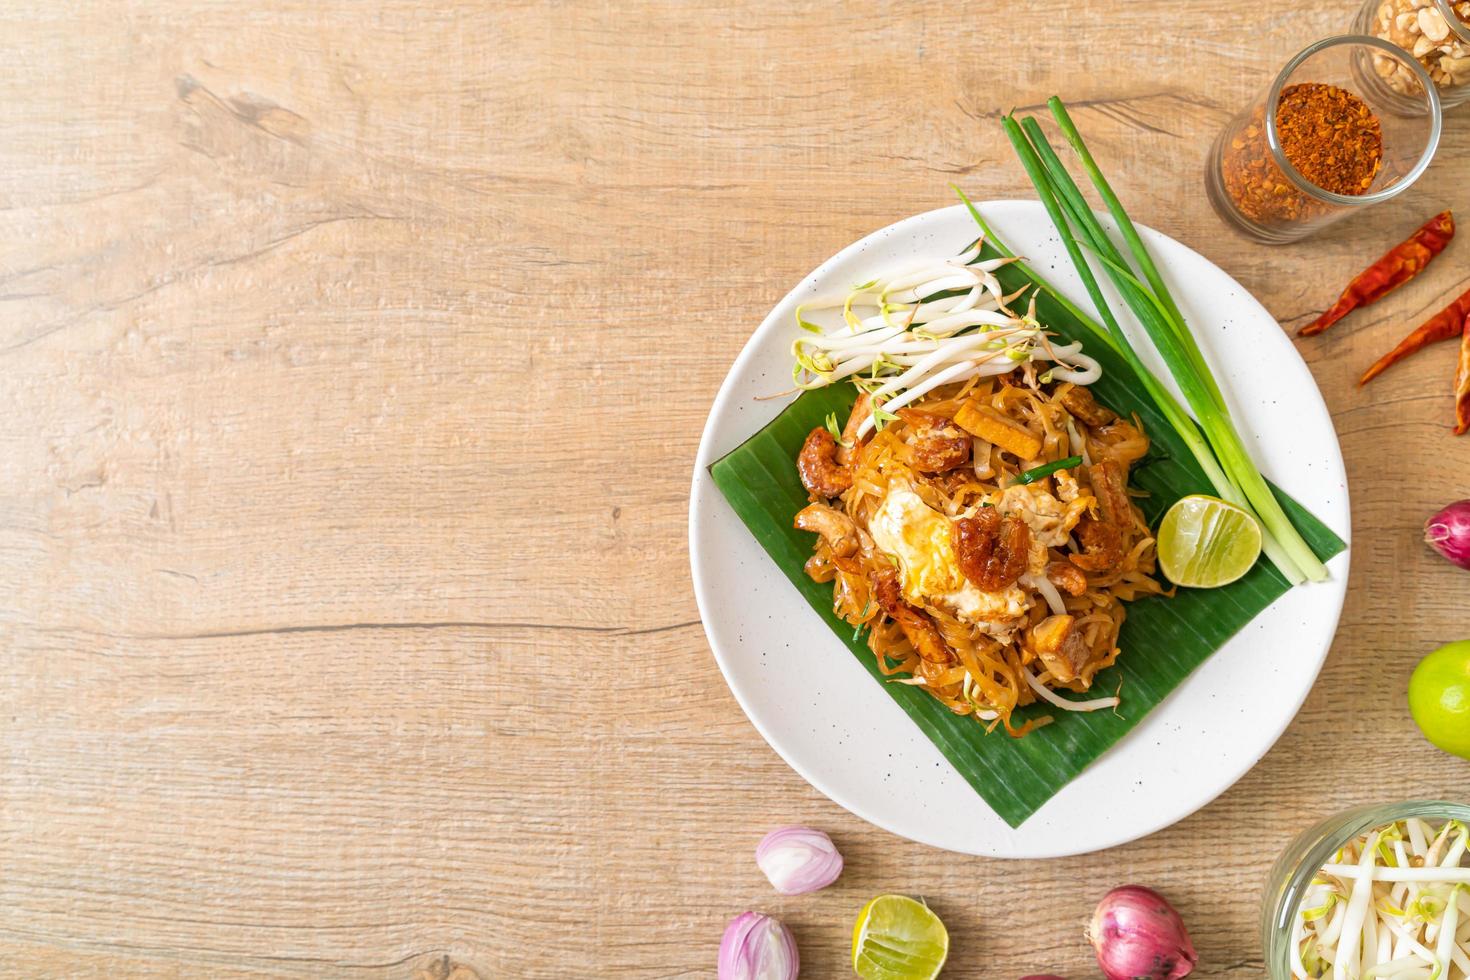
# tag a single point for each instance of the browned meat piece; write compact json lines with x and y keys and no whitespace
{"x":1103,"y":537}
{"x":953,"y":481}
{"x":1102,"y":546}
{"x":916,"y":625}
{"x":818,"y":466}
{"x":1061,"y":647}
{"x":1110,"y":487}
{"x":1082,"y":405}
{"x":992,"y":551}
{"x":835,"y":527}
{"x":1067,"y":578}
{"x":939,"y":445}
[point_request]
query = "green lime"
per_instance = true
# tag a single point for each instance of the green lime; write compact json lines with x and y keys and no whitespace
{"x":1205,"y":543}
{"x":897,"y":938}
{"x":1439,"y":698}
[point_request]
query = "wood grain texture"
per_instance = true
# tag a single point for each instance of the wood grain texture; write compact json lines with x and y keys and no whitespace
{"x":352,"y":365}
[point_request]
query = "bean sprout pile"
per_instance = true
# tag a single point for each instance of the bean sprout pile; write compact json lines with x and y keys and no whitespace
{"x":934,"y":323}
{"x":1394,"y":904}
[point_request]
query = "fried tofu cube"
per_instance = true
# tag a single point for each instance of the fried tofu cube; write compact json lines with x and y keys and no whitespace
{"x":1060,"y":646}
{"x":984,"y":422}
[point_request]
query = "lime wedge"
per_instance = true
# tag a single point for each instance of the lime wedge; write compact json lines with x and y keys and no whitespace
{"x":897,"y":938}
{"x":1205,"y":543}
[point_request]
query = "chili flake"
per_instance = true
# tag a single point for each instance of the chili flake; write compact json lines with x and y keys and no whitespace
{"x":1330,"y":136}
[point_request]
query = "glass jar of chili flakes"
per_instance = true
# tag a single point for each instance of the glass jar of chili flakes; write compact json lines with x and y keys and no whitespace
{"x":1326,"y":139}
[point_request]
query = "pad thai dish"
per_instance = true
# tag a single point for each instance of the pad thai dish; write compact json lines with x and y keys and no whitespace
{"x":973,"y":513}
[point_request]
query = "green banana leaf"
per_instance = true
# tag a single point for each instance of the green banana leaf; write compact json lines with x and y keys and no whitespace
{"x":1163,"y":639}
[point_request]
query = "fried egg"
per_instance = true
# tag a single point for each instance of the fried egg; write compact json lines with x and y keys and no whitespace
{"x":918,"y":539}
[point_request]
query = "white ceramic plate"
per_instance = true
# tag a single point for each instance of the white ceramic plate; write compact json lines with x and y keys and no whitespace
{"x":826,"y":716}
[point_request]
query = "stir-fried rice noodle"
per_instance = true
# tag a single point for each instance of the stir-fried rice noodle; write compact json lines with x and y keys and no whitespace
{"x":985,"y":666}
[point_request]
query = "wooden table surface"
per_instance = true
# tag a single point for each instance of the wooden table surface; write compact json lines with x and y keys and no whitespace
{"x":352,"y":366}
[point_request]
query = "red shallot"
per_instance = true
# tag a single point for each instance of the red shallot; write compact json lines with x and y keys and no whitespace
{"x":758,"y":947}
{"x":1448,"y":532}
{"x":798,"y":860}
{"x":1138,"y":936}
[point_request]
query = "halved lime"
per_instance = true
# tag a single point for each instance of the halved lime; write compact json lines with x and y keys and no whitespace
{"x":1205,"y":542}
{"x":897,"y":938}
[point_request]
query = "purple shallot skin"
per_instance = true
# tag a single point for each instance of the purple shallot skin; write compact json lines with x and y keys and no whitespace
{"x":1138,"y":936}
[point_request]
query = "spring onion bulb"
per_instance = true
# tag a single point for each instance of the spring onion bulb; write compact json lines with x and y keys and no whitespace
{"x":797,"y":860}
{"x":1393,"y":904}
{"x":916,"y":328}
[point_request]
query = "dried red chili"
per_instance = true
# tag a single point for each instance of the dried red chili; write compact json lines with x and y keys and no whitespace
{"x":1447,"y":324}
{"x":1462,"y":382}
{"x":1397,"y":266}
{"x":1331,"y":137}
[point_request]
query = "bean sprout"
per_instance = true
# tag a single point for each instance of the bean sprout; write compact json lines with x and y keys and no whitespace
{"x":1048,"y":695}
{"x":1048,"y":591}
{"x":1393,"y":903}
{"x":972,"y":694}
{"x":933,"y":322}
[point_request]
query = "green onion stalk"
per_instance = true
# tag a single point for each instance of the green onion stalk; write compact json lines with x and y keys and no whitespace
{"x":1220,"y":452}
{"x":1204,"y":395}
{"x":1045,"y":470}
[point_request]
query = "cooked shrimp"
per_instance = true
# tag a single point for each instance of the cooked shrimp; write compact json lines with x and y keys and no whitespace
{"x":916,"y":625}
{"x":939,"y":444}
{"x":1119,"y":440}
{"x":817,"y":463}
{"x":992,"y":551}
{"x":819,"y":568}
{"x":1066,"y":577}
{"x":850,"y":441}
{"x":835,"y":527}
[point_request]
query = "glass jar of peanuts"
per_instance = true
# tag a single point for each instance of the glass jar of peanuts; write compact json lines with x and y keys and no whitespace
{"x":1436,"y":32}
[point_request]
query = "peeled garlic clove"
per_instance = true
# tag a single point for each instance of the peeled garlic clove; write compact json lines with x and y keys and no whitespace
{"x":758,"y":947}
{"x":1138,"y":936}
{"x":798,"y":860}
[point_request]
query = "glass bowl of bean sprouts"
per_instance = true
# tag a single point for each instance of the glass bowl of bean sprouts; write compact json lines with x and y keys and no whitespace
{"x":1374,"y":893}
